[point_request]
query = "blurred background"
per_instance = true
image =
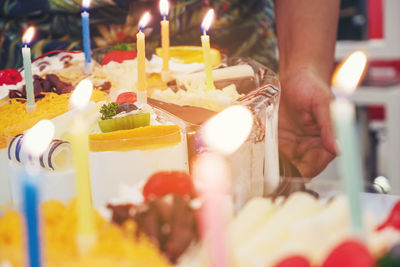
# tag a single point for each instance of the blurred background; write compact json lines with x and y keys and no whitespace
{"x":372,"y":25}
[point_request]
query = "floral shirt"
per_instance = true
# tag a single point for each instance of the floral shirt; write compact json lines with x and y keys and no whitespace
{"x":241,"y":28}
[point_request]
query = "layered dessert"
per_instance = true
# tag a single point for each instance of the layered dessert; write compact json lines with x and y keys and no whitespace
{"x":132,"y":141}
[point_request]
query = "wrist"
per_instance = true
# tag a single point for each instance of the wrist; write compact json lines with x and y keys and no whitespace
{"x":309,"y":71}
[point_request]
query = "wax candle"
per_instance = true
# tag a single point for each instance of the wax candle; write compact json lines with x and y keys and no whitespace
{"x":80,"y":153}
{"x":345,"y":82}
{"x":141,"y":59}
{"x":164,"y":8}
{"x":87,"y":69}
{"x":205,"y":43}
{"x":36,"y":141}
{"x":210,"y":173}
{"x":26,"y":56}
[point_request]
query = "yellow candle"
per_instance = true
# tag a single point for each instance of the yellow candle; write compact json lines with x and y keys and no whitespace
{"x":165,"y":43}
{"x":141,"y":59}
{"x":80,"y":153}
{"x":205,"y":43}
{"x":164,"y":9}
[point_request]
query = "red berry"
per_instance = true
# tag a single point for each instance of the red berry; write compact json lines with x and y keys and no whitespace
{"x":350,"y":253}
{"x":118,"y":56}
{"x":10,"y":76}
{"x":168,"y":182}
{"x":393,"y":220}
{"x":294,"y":261}
{"x":127,"y":97}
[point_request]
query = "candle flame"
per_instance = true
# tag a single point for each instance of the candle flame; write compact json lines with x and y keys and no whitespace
{"x":28,"y":35}
{"x":208,"y":19}
{"x":349,"y":73}
{"x":39,"y":137}
{"x":144,"y":20}
{"x":164,"y":7}
{"x":85,"y":4}
{"x":81,"y":95}
{"x":227,"y":131}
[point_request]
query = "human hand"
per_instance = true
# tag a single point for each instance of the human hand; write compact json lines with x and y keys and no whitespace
{"x":305,"y":128}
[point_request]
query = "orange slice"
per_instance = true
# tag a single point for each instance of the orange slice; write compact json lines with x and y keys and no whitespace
{"x":190,"y":54}
{"x":149,"y":137}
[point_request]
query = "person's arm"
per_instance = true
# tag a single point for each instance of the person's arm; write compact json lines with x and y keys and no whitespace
{"x":306,"y":32}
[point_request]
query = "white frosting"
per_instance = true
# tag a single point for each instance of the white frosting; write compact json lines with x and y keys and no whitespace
{"x":216,"y":100}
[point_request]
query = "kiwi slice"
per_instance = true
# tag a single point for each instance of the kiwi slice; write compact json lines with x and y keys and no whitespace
{"x":125,"y":123}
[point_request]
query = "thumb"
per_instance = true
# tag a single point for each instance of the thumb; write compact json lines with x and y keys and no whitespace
{"x":323,"y":117}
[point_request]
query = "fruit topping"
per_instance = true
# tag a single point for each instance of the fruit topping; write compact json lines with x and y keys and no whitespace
{"x":10,"y":76}
{"x":168,"y":182}
{"x":149,"y":137}
{"x":109,"y":122}
{"x":349,"y":253}
{"x":294,"y":261}
{"x":118,"y":56}
{"x":126,"y":107}
{"x":190,"y":54}
{"x":393,"y":220}
{"x":127,"y":97}
{"x":124,"y":123}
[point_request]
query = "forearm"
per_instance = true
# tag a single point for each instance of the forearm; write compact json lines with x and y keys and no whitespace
{"x":306,"y":32}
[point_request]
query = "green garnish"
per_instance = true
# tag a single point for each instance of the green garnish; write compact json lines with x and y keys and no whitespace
{"x":108,"y":110}
{"x":122,"y":47}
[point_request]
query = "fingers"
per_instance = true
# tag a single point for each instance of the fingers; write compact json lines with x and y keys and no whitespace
{"x":324,"y":121}
{"x":313,"y":162}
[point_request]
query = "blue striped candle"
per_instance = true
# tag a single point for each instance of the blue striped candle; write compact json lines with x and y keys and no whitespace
{"x":30,"y":204}
{"x":86,"y":38}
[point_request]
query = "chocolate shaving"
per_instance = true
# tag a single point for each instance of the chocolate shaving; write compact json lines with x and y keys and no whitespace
{"x":169,"y":222}
{"x":51,"y":83}
{"x":105,"y":87}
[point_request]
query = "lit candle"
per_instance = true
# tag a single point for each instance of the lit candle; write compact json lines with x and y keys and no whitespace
{"x":164,"y":9}
{"x":141,"y":59}
{"x":205,"y":43}
{"x":345,"y":81}
{"x":222,"y":134}
{"x":80,"y":153}
{"x":87,"y":69}
{"x":36,"y":140}
{"x":26,"y":56}
{"x":211,"y":175}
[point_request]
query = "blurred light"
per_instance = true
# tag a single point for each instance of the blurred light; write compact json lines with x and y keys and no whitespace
{"x":208,"y":19}
{"x":39,"y":137}
{"x":81,"y":95}
{"x":349,"y":73}
{"x":228,"y":130}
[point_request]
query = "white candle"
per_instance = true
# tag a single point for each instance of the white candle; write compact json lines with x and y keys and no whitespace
{"x":345,"y":81}
{"x":26,"y":56}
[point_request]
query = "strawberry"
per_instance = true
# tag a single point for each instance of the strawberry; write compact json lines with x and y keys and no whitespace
{"x":393,"y":220}
{"x":118,"y":56}
{"x":294,"y":261}
{"x":168,"y":182}
{"x":127,"y":97}
{"x":10,"y":76}
{"x":349,"y":253}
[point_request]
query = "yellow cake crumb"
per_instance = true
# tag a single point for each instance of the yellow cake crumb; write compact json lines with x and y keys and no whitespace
{"x":115,"y":246}
{"x":14,"y":119}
